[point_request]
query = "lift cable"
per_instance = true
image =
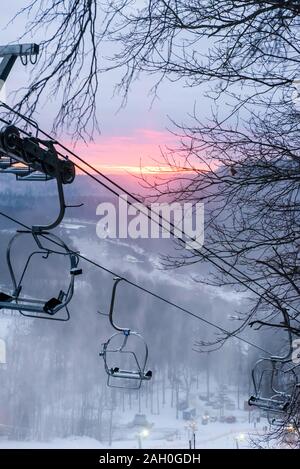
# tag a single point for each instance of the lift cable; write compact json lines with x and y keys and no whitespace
{"x":146,"y":290}
{"x":244,"y":282}
{"x":231,"y":267}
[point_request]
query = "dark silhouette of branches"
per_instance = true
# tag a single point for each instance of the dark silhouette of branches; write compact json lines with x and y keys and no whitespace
{"x":68,"y":69}
{"x":244,"y":162}
{"x":230,"y":43}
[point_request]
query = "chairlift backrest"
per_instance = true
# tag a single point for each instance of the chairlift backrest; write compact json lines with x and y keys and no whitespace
{"x":138,"y":372}
{"x":40,"y":308}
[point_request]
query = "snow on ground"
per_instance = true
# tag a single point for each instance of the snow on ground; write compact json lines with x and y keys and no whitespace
{"x":214,"y":438}
{"x":166,"y":432}
{"x":169,"y":432}
{"x":59,"y":443}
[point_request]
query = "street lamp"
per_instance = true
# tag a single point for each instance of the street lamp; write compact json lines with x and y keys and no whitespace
{"x":192,"y":427}
{"x":240,"y":438}
{"x":144,"y":433}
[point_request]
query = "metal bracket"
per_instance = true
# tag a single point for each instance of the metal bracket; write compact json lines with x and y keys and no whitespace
{"x":9,"y":55}
{"x":37,"y":158}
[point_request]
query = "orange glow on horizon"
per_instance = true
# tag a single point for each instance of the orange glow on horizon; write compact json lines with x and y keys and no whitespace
{"x":121,"y":169}
{"x":136,"y":153}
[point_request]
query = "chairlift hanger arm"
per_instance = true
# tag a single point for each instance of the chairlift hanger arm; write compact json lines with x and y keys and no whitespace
{"x":125,"y":330}
{"x":9,"y":55}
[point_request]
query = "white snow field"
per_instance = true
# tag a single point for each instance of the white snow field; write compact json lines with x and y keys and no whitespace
{"x":166,"y":432}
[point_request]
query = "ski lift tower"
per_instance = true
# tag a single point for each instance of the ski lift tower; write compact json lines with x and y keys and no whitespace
{"x":9,"y":55}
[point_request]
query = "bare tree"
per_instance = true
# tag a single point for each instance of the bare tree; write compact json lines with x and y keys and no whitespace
{"x":243,"y":162}
{"x":68,"y":67}
{"x":244,"y":43}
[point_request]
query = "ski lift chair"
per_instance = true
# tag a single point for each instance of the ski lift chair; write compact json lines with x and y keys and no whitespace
{"x":292,"y":411}
{"x":274,"y":385}
{"x":118,"y":377}
{"x":40,"y":308}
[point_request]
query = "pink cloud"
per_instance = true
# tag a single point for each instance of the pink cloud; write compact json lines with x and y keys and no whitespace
{"x":115,"y":153}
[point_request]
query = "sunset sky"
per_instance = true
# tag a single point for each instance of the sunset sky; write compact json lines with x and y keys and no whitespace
{"x":130,"y":136}
{"x":119,"y":153}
